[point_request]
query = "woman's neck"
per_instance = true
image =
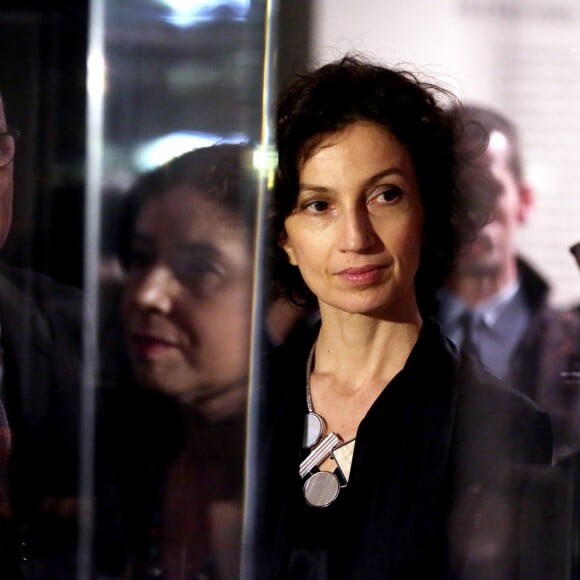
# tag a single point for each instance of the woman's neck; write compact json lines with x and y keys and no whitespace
{"x":354,"y":345}
{"x":354,"y":361}
{"x":359,"y":356}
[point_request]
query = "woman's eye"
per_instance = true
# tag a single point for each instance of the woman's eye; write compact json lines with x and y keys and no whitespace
{"x":388,"y":194}
{"x":139,"y":258}
{"x":194,"y":269}
{"x":201,"y":276}
{"x":316,"y":206}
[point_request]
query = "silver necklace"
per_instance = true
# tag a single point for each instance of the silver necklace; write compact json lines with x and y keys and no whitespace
{"x":322,"y":487}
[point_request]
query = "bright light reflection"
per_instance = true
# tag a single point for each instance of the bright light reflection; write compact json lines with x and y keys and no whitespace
{"x":265,"y":161}
{"x":163,"y":149}
{"x":498,"y":142}
{"x":188,"y":12}
{"x":96,"y":75}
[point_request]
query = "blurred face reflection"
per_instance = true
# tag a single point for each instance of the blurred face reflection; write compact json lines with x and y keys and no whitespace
{"x":6,"y":186}
{"x":495,"y":245}
{"x":187,"y":302}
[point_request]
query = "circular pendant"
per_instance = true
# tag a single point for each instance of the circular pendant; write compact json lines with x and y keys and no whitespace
{"x":314,"y":427}
{"x":321,"y":489}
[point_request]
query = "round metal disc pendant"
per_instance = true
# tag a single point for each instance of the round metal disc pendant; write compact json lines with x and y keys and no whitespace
{"x":314,"y":427}
{"x":321,"y":489}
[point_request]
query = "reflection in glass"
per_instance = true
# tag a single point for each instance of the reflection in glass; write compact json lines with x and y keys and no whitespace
{"x":174,"y":200}
{"x":178,"y":416}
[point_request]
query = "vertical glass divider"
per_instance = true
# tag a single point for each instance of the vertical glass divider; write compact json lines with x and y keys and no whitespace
{"x":94,"y":169}
{"x":265,"y":164}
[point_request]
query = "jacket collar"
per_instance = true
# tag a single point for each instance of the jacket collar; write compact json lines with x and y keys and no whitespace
{"x":27,"y":346}
{"x":535,"y":288}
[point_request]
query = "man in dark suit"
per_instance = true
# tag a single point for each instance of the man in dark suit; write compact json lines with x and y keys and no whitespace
{"x":495,"y":304}
{"x":40,"y":410}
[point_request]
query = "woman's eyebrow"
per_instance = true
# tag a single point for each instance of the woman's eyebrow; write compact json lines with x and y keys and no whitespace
{"x":141,"y":238}
{"x":313,"y":188}
{"x":200,"y":249}
{"x":385,"y":173}
{"x":370,"y":181}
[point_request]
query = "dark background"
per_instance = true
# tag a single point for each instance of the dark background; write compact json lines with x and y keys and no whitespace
{"x":42,"y":80}
{"x":43,"y":53}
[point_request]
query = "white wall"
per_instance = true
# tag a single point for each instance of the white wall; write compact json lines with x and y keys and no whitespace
{"x":521,"y":56}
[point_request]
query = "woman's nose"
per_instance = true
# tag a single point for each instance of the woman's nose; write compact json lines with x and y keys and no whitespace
{"x":358,"y":231}
{"x":155,"y":290}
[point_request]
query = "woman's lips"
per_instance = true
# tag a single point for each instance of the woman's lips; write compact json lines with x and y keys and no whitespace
{"x":146,"y":345}
{"x":362,"y":275}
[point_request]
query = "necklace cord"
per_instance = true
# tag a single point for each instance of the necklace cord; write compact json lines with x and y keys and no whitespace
{"x":309,"y":364}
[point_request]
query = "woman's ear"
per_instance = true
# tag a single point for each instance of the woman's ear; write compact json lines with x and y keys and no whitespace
{"x":285,"y":244}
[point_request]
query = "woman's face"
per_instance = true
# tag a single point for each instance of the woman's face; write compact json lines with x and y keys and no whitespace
{"x":187,"y":302}
{"x":356,"y":230}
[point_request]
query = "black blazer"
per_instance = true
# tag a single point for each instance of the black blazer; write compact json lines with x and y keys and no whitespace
{"x":41,"y":336}
{"x":436,"y":480}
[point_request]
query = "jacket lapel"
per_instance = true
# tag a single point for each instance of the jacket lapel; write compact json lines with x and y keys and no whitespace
{"x":27,"y":347}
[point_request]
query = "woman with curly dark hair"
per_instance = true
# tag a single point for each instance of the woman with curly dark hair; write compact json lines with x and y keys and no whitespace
{"x":385,"y":452}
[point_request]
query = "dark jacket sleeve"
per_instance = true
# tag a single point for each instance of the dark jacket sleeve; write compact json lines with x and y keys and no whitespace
{"x":504,"y":441}
{"x":42,"y":339}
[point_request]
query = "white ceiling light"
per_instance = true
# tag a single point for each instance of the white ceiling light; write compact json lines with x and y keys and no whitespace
{"x":187,"y":12}
{"x":158,"y":151}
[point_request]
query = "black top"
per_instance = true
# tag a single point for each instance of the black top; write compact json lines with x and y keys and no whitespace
{"x":435,"y":480}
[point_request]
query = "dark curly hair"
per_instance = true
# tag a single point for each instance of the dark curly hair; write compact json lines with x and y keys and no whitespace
{"x":417,"y":113}
{"x":219,"y":173}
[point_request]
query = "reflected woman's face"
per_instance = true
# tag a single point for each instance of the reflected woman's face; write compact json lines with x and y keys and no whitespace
{"x":187,"y":302}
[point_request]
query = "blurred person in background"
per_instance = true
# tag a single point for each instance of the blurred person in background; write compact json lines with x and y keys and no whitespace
{"x":495,"y":304}
{"x":178,"y":416}
{"x":40,"y":447}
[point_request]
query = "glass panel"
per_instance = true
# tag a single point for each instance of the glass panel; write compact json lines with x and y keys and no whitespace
{"x":176,"y":188}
